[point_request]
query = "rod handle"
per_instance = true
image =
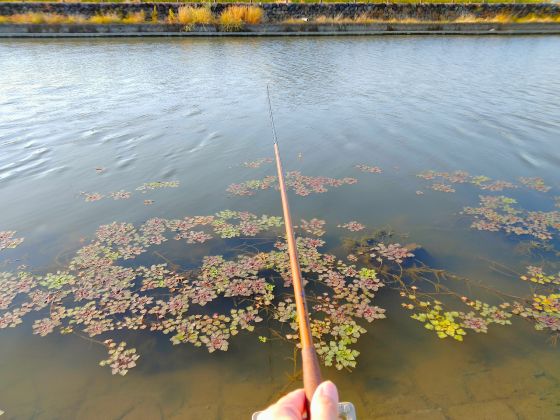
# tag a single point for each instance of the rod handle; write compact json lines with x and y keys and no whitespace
{"x":311,"y":372}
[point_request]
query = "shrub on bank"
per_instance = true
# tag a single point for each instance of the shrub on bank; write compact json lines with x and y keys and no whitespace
{"x":234,"y":17}
{"x":365,"y":19}
{"x":105,"y":19}
{"x":188,"y":15}
{"x":135,"y":18}
{"x":42,"y":18}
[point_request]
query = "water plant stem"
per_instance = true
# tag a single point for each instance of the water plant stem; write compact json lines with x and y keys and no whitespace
{"x":310,"y":362}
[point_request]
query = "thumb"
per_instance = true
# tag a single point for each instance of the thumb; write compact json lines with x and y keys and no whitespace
{"x":324,"y":404}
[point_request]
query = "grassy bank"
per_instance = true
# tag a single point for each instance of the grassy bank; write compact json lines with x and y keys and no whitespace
{"x":365,"y":19}
{"x":309,"y":1}
{"x":234,"y":17}
{"x":231,"y":18}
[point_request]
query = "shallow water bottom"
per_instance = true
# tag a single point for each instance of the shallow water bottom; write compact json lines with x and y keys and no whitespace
{"x":442,"y":381}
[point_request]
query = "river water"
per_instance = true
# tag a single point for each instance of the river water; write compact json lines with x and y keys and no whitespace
{"x":85,"y":116}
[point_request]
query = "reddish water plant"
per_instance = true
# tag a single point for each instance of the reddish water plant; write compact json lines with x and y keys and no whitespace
{"x":352,"y":226}
{"x":257,"y":163}
{"x":535,"y":183}
{"x":7,"y":239}
{"x":500,"y":213}
{"x":369,"y":169}
{"x":102,"y":292}
{"x":301,"y":184}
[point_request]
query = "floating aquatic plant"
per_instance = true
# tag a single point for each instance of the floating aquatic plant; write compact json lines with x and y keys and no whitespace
{"x":537,"y":275}
{"x":543,"y":308}
{"x":120,"y":359}
{"x":120,"y":195}
{"x":300,"y":184}
{"x":313,"y":227}
{"x":369,"y":169}
{"x":392,"y":252}
{"x":444,"y":324}
{"x":463,"y":177}
{"x":157,"y":185}
{"x":421,"y":286}
{"x":257,"y":163}
{"x":90,"y":197}
{"x":442,"y":187}
{"x":7,"y":239}
{"x":500,"y":213}
{"x":352,"y":226}
{"x":497,"y":186}
{"x":453,"y":323}
{"x":247,"y":188}
{"x":102,"y":292}
{"x":535,"y":183}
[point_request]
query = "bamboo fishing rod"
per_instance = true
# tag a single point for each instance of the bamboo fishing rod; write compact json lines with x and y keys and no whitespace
{"x":309,"y":360}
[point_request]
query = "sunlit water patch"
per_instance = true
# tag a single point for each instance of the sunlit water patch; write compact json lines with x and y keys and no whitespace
{"x":424,"y":182}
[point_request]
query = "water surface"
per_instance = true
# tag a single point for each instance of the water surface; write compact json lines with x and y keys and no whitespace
{"x":193,"y":110}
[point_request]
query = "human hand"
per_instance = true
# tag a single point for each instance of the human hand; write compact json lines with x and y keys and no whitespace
{"x":324,"y":405}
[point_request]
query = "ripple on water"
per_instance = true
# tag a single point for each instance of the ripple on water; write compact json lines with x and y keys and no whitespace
{"x":24,"y":161}
{"x":125,"y":162}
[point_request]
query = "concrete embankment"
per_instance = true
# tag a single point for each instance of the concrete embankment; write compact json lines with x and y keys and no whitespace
{"x":433,"y":19}
{"x":86,"y":30}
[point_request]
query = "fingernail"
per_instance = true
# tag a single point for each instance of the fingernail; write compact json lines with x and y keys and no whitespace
{"x":328,"y":389}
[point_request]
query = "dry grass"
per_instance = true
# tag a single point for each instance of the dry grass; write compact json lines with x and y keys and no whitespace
{"x":235,"y":16}
{"x":500,"y":18}
{"x":533,"y":18}
{"x":171,"y":18}
{"x":188,"y":15}
{"x":317,"y":1}
{"x":253,"y":15}
{"x":361,"y":19}
{"x":105,"y":19}
{"x":135,"y":18}
{"x":364,"y":19}
{"x":230,"y":21}
{"x":505,"y":18}
{"x":41,"y":18}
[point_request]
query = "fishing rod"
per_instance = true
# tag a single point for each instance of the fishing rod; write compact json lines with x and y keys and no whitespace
{"x":310,"y":362}
{"x":309,"y":359}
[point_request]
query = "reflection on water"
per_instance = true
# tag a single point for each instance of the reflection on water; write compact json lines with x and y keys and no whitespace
{"x":193,"y":110}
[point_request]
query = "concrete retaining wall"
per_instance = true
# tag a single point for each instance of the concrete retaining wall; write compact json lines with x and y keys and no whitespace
{"x":277,"y":29}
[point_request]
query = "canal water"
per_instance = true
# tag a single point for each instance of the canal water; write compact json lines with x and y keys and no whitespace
{"x":80,"y":117}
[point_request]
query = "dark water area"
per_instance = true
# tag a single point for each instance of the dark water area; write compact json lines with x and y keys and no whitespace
{"x":193,"y":110}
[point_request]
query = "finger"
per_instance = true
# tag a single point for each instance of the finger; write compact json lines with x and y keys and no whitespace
{"x":324,"y":404}
{"x":289,"y":407}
